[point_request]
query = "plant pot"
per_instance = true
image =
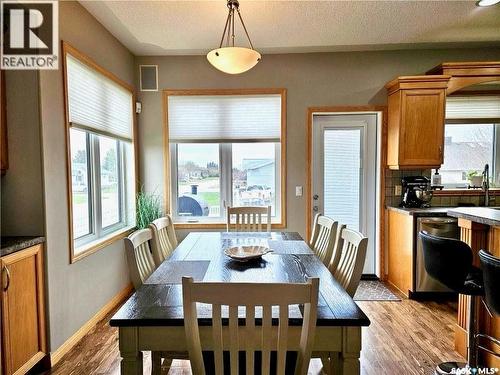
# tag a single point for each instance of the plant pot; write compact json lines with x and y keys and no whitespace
{"x":476,"y":181}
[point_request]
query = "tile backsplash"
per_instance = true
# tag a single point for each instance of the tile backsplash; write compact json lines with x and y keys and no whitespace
{"x":393,"y":178}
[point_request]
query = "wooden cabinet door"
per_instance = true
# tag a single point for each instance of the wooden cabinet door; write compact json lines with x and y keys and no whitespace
{"x":23,"y":316}
{"x":422,"y":128}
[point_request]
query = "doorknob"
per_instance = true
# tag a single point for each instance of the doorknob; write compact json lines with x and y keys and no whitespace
{"x":315,"y":208}
{"x":315,"y":197}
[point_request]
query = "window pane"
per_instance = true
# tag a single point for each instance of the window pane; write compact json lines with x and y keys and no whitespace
{"x":110,"y":191}
{"x":80,"y":183}
{"x":254,"y":175}
{"x":467,"y":149}
{"x":198,"y":180}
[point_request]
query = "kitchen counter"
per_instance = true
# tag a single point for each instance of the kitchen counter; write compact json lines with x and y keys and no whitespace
{"x":481,"y":215}
{"x":10,"y":245}
{"x":431,"y":211}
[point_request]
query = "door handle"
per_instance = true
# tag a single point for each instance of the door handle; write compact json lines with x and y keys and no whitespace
{"x":315,"y":208}
{"x":315,"y":197}
{"x":6,"y":269}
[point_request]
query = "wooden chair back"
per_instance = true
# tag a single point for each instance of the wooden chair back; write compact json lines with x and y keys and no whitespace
{"x":352,"y":260}
{"x":249,"y":219}
{"x":249,"y":338}
{"x":323,"y":238}
{"x":164,"y":238}
{"x":139,"y":258}
{"x":337,"y":249}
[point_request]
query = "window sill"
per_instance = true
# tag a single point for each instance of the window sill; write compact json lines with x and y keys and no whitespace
{"x":91,"y":247}
{"x":184,"y":225}
{"x":466,"y":192}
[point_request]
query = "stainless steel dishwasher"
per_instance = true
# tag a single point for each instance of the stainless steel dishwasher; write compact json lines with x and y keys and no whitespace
{"x":438,"y":226}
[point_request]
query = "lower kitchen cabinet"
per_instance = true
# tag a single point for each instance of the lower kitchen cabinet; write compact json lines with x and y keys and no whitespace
{"x":23,"y":310}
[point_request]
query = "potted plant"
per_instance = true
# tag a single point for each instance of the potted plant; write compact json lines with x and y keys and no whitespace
{"x":475,"y":179}
{"x":148,"y":209}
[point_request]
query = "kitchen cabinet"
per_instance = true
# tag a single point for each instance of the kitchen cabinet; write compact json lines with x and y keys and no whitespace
{"x":23,"y":310}
{"x":416,"y":110}
{"x":4,"y":155}
{"x":400,"y":251}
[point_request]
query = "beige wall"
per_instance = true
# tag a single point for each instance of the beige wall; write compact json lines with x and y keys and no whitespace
{"x":75,"y":291}
{"x":22,"y":192}
{"x":316,"y":79}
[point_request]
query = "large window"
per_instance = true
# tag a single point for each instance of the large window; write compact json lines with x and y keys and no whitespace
{"x":101,"y":155}
{"x":471,"y":140}
{"x":225,"y":150}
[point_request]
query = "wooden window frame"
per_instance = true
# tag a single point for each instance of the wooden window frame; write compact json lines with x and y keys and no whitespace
{"x":122,"y":232}
{"x":166,"y":150}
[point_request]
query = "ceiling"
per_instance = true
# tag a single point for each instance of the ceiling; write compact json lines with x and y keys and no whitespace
{"x":188,"y":27}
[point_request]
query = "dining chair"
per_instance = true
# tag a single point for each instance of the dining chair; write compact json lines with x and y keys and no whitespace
{"x":164,"y":239}
{"x":352,"y":260}
{"x":324,"y":237}
{"x":249,"y":219}
{"x":139,"y":258}
{"x":337,"y":249}
{"x":141,"y":265}
{"x":249,"y":338}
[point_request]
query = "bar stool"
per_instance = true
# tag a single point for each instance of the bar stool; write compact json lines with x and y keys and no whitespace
{"x":490,"y":266}
{"x":450,"y":262}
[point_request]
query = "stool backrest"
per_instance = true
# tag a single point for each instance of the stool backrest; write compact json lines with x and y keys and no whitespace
{"x":490,"y":265}
{"x":446,"y":259}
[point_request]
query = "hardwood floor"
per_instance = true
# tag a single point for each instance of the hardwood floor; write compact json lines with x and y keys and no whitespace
{"x":406,"y":337}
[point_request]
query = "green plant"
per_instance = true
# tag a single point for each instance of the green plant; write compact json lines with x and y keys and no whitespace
{"x":471,"y":174}
{"x":148,"y":206}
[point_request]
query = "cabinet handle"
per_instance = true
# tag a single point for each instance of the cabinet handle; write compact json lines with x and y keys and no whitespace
{"x":6,"y":269}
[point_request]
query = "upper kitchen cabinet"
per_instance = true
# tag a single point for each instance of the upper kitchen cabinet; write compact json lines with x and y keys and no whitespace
{"x":416,"y":107}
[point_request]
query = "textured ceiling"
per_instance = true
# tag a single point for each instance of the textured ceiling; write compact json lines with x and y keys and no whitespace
{"x":188,"y":27}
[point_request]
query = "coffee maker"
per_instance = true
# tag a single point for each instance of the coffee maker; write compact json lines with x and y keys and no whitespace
{"x":416,"y":192}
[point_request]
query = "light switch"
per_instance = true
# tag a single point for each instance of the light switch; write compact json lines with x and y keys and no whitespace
{"x":298,"y":191}
{"x":397,"y":190}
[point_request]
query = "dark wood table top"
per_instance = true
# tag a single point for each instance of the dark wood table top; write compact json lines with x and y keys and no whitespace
{"x":201,"y":255}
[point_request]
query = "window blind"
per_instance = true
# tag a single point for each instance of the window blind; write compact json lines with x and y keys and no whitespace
{"x":473,"y":107}
{"x":224,"y":118}
{"x":97,"y":103}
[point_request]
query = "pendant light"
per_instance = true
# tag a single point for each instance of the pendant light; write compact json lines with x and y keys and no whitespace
{"x":231,"y":59}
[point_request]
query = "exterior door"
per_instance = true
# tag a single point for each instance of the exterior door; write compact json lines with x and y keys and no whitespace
{"x":344,"y":182}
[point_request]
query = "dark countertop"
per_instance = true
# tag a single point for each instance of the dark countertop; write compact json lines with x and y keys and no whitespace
{"x":11,"y":245}
{"x":431,"y":211}
{"x":482,"y":215}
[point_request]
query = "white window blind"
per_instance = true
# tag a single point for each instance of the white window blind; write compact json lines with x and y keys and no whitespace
{"x":342,"y":181}
{"x":224,"y":118}
{"x":473,"y":107}
{"x":97,"y":103}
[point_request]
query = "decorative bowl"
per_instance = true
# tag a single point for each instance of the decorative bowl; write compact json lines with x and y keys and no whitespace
{"x":245,"y":253}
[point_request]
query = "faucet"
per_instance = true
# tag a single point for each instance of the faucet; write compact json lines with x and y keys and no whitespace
{"x":486,"y":185}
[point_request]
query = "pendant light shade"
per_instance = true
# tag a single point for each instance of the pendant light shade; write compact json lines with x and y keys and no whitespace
{"x":231,"y":59}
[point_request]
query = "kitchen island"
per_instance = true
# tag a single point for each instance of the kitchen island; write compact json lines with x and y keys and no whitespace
{"x":480,"y":229}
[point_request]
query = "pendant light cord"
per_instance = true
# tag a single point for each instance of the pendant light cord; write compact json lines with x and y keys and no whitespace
{"x":229,"y":27}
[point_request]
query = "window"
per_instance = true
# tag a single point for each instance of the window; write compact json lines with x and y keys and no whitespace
{"x":471,"y":140}
{"x":225,"y":150}
{"x":102,"y":166}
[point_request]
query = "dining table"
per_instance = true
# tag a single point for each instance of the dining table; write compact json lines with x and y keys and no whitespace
{"x":152,"y":318}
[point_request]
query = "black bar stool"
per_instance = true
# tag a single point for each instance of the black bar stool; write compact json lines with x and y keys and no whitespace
{"x":450,"y":262}
{"x":490,"y":265}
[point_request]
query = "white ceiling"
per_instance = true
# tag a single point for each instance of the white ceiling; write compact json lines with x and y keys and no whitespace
{"x":188,"y":27}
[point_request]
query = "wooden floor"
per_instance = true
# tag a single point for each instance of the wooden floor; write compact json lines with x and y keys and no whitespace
{"x":407,"y":337}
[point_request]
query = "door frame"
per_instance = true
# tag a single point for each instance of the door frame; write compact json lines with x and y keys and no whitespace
{"x":381,"y":111}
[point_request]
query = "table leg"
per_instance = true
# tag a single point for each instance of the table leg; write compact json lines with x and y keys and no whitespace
{"x":131,"y":363}
{"x":347,"y":362}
